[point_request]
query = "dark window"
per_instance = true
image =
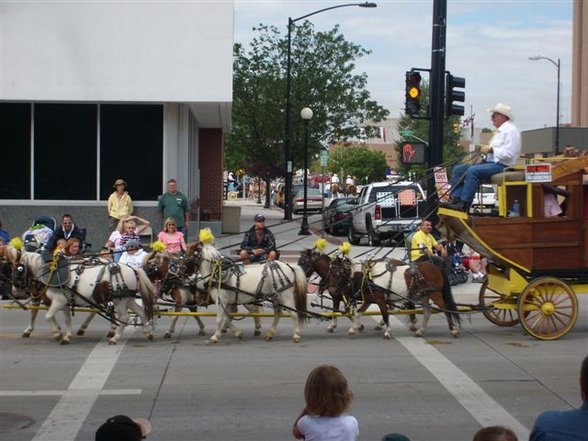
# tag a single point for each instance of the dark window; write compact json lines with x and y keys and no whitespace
{"x":65,"y":151}
{"x":15,"y":138}
{"x":131,"y":148}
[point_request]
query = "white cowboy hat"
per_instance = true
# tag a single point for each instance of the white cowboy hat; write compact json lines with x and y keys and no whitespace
{"x":503,"y":109}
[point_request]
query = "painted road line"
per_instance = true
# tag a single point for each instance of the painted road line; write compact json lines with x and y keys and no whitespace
{"x":66,"y":419}
{"x":471,"y":396}
{"x":49,"y":393}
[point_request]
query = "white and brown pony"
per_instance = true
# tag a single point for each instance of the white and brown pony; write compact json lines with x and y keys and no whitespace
{"x":281,"y":284}
{"x":174,"y":280}
{"x":83,"y":284}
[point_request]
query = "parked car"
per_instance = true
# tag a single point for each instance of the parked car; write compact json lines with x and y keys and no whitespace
{"x":487,"y":199}
{"x":386,"y":210}
{"x":314,"y":200}
{"x":337,"y":215}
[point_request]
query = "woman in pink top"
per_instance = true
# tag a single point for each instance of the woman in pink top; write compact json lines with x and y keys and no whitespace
{"x":173,"y":239}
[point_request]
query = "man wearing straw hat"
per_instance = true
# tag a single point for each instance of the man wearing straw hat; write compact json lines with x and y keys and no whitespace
{"x":503,"y":151}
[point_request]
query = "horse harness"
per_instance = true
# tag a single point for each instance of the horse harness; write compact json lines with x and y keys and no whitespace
{"x":224,"y":268}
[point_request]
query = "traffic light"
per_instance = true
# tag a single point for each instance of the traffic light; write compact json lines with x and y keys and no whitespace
{"x":413,"y":93}
{"x":456,"y":128}
{"x":414,"y":153}
{"x":452,"y":95}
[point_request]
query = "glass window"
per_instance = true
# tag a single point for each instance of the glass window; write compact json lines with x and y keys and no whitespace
{"x":131,"y":148}
{"x":65,"y":151}
{"x":15,"y":138}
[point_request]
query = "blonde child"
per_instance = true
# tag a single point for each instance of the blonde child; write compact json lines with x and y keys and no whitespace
{"x":327,"y":397}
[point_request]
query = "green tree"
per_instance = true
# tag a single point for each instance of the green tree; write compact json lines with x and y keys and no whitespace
{"x":322,"y":78}
{"x":452,"y":152}
{"x":359,"y":161}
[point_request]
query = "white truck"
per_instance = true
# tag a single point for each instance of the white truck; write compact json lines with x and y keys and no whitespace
{"x":386,"y":210}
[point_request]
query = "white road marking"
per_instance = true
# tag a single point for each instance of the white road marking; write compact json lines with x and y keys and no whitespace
{"x":66,"y":419}
{"x":471,"y":396}
{"x":49,"y":393}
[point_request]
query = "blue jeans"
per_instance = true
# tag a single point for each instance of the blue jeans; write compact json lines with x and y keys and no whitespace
{"x":466,"y":188}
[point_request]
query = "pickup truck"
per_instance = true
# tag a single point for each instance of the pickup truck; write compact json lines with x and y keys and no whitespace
{"x":386,"y":210}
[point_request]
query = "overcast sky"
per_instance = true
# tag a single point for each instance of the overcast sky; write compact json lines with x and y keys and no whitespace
{"x":488,"y":42}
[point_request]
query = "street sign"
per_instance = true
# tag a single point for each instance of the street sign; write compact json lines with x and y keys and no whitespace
{"x":324,"y":158}
{"x":406,"y":132}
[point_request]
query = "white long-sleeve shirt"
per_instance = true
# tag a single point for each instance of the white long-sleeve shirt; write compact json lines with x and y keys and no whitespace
{"x":506,"y":145}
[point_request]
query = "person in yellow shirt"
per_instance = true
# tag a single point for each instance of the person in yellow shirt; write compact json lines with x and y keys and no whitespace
{"x":423,"y":243}
{"x":120,"y":204}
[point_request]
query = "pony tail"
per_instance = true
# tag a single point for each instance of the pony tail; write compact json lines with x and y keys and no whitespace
{"x":147,"y":292}
{"x":300,"y":290}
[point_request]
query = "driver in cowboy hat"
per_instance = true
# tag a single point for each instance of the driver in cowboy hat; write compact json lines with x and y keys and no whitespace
{"x":503,"y":151}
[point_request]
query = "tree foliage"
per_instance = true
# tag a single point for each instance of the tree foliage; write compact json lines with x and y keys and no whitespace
{"x":322,"y":78}
{"x":359,"y":161}
{"x":452,"y":152}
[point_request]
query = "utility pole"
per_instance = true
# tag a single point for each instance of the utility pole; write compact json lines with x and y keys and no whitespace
{"x":437,"y":86}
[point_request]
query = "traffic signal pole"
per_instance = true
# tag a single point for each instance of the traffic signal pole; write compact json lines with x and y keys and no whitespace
{"x":436,"y":109}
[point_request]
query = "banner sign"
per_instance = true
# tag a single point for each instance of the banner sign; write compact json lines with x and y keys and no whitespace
{"x":538,"y":172}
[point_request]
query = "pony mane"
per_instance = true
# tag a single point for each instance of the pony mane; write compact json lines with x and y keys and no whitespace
{"x":209,"y":252}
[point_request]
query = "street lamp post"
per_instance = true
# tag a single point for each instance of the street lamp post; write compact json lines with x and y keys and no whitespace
{"x":558,"y":67}
{"x":306,"y":115}
{"x":288,"y":134}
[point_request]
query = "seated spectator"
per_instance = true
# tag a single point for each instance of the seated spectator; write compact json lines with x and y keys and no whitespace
{"x":475,"y":263}
{"x":171,"y":237}
{"x":123,"y":428}
{"x":134,"y":255}
{"x":66,"y":231}
{"x":115,"y":242}
{"x":565,"y":425}
{"x":551,"y":205}
{"x":72,"y":248}
{"x":258,"y":243}
{"x":129,"y":233}
{"x":4,"y":236}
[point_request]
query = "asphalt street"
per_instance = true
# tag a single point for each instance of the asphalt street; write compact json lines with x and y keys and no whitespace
{"x":432,"y":388}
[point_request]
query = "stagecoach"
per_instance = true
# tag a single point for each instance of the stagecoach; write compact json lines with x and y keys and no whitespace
{"x":538,"y":259}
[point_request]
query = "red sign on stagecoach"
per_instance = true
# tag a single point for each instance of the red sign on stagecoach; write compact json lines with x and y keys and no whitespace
{"x":539,"y":172}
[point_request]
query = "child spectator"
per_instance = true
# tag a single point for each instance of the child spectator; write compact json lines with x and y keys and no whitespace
{"x":327,"y":397}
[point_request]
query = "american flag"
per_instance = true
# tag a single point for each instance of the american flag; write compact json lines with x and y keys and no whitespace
{"x":469,"y":120}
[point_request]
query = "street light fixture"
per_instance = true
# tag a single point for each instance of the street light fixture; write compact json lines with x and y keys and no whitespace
{"x":288,"y":135}
{"x":558,"y":66}
{"x":306,"y":115}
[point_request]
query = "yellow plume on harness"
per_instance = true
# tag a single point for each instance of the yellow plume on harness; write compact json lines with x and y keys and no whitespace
{"x":158,"y":246}
{"x":345,"y":248}
{"x":320,"y":245}
{"x":16,"y":243}
{"x":206,"y":236}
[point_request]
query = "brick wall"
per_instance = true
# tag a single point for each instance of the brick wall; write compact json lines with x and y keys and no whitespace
{"x":211,"y":173}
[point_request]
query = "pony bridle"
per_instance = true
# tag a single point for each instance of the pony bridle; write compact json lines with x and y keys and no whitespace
{"x":20,"y":276}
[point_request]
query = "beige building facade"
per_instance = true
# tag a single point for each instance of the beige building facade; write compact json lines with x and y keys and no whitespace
{"x":580,"y":65}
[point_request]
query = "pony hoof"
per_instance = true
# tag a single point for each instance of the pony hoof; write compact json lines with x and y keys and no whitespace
{"x":112,"y":342}
{"x":64,"y":342}
{"x":80,"y":332}
{"x":351,"y":331}
{"x":202,"y":332}
{"x":58,"y":337}
{"x":150,"y":337}
{"x":413,"y":329}
{"x":418,"y":333}
{"x":110,"y":334}
{"x":26,"y":334}
{"x":387,"y":337}
{"x":167,"y":335}
{"x":330,"y":330}
{"x":269,"y":337}
{"x":296,"y":339}
{"x":455,"y":333}
{"x":257,"y":333}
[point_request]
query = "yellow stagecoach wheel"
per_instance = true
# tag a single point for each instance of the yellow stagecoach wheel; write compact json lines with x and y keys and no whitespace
{"x":548,"y":308}
{"x":504,"y":312}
